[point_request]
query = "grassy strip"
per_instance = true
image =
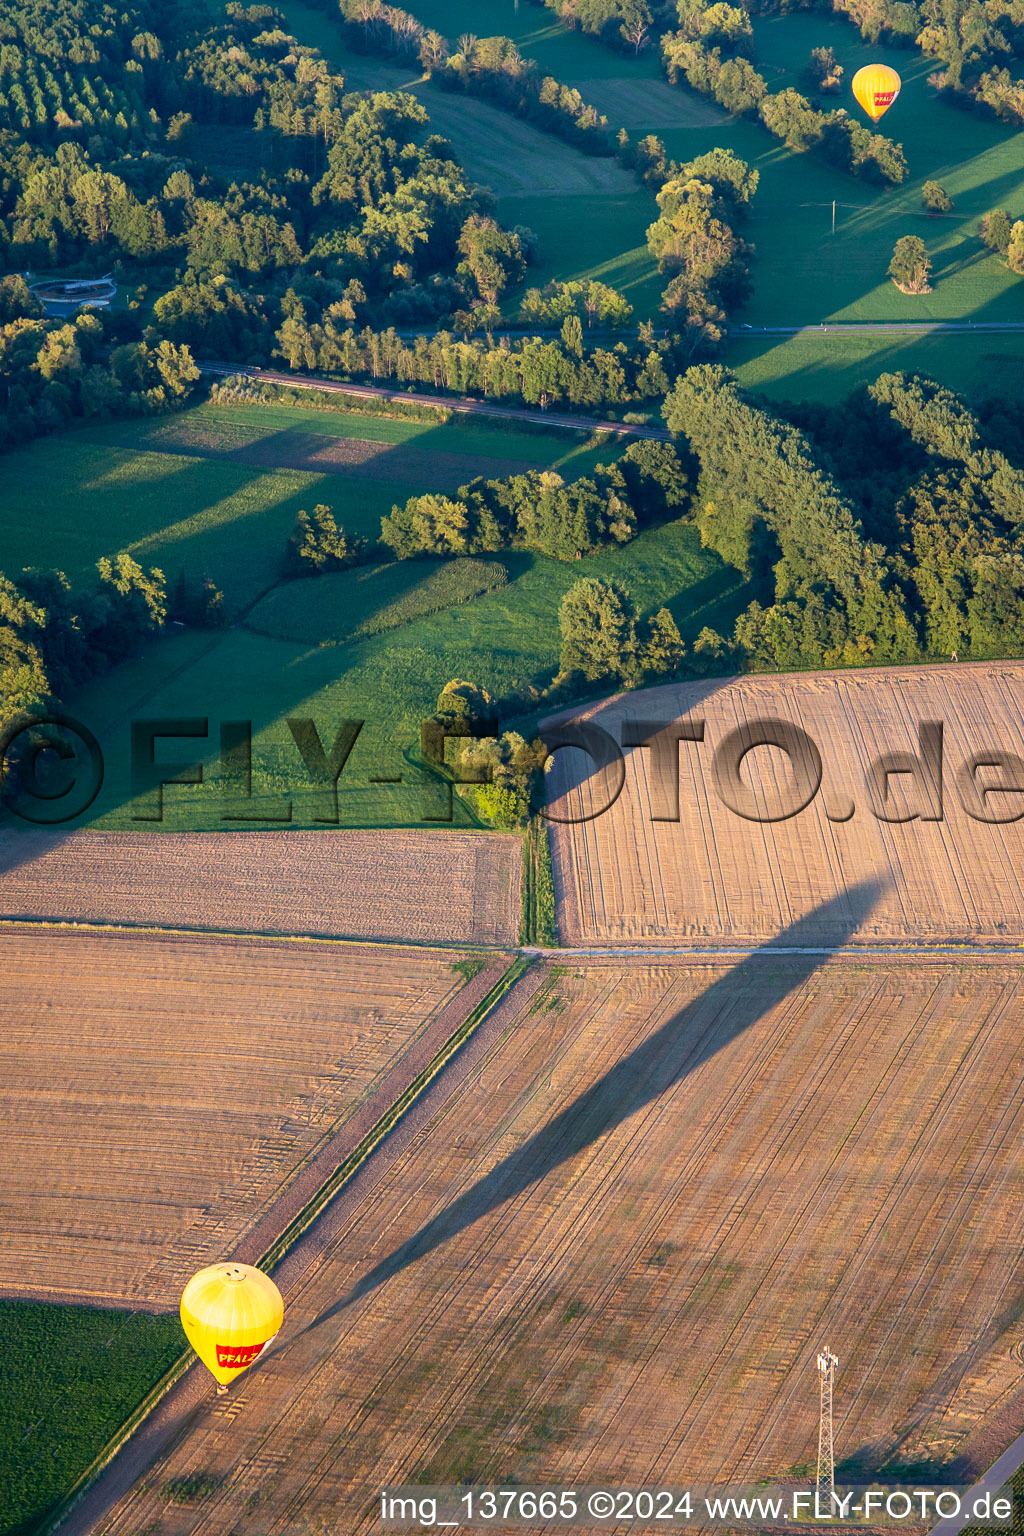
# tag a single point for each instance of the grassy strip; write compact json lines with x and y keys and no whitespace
{"x":295,"y":1229}
{"x":540,"y":919}
{"x":545,"y":913}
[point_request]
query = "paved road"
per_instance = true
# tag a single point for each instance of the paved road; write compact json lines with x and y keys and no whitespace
{"x":456,"y":403}
{"x":1000,"y":1472}
{"x":878,"y":328}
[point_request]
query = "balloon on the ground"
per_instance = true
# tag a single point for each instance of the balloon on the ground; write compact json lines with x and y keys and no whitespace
{"x":230,"y":1313}
{"x":876,"y":87}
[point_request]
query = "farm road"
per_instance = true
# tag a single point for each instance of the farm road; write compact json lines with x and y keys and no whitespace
{"x":878,"y":327}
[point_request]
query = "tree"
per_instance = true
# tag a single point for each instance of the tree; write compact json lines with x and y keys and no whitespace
{"x":433,"y":51}
{"x":23,"y":679}
{"x":637,"y":30}
{"x":790,"y":116}
{"x":598,"y":625}
{"x":662,"y":650}
{"x":910,"y":267}
{"x":462,"y":703}
{"x":996,"y":229}
{"x":318,"y":545}
{"x":822,"y":72}
{"x":1015,"y":248}
{"x":492,"y":257}
{"x":935,"y":198}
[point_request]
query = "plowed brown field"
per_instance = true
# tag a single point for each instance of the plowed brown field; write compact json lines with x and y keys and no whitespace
{"x":625,"y":878}
{"x":612,"y":1243}
{"x":157,"y":1094}
{"x":418,"y":886}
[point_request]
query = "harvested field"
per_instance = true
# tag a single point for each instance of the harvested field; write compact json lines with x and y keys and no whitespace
{"x":320,"y":453}
{"x":424,"y":887}
{"x":160,"y":1093}
{"x":711,"y":875}
{"x":576,"y":1266}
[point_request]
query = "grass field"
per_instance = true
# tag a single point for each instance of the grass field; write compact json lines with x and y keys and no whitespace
{"x":503,"y":640}
{"x":826,"y":368}
{"x":213,"y":490}
{"x":69,"y":1376}
{"x":373,"y":599}
{"x":580,"y":1269}
{"x":713,"y":875}
{"x":802,"y":274}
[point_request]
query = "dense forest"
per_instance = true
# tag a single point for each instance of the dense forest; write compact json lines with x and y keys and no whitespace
{"x":253,"y":210}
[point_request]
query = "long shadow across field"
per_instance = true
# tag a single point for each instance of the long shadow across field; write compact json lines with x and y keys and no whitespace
{"x":734,"y":1003}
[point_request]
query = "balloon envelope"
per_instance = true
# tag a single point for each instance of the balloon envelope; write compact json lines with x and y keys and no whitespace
{"x":230,"y":1313}
{"x":876,"y":87}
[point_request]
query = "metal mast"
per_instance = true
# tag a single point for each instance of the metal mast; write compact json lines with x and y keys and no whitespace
{"x":827,"y":1363}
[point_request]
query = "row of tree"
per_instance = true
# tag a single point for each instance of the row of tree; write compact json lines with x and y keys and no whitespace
{"x":703,"y":53}
{"x":533,"y":370}
{"x":538,"y":510}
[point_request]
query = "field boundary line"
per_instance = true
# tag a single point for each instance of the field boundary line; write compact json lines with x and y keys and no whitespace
{"x":267,"y":935}
{"x":850,"y":951}
{"x":299,"y":1225}
{"x":531,"y":951}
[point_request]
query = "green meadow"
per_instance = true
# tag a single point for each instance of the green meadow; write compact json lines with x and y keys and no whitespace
{"x":375,"y":644}
{"x":802,"y":272}
{"x":69,"y":1377}
{"x":176,"y":492}
{"x":505,"y":640}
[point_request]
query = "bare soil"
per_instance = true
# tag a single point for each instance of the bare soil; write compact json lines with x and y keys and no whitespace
{"x":423,"y":887}
{"x":611,"y":1244}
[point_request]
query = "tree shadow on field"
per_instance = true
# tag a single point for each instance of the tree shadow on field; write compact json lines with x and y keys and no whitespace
{"x":729,"y":1007}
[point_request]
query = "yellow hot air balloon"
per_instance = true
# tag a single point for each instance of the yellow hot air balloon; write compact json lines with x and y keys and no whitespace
{"x":230,"y":1313}
{"x":876,"y":87}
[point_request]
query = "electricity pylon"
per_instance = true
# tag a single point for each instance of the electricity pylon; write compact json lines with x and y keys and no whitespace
{"x":827,"y":1363}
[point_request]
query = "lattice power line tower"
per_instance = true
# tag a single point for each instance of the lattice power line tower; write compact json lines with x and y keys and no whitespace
{"x":827,"y":1363}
